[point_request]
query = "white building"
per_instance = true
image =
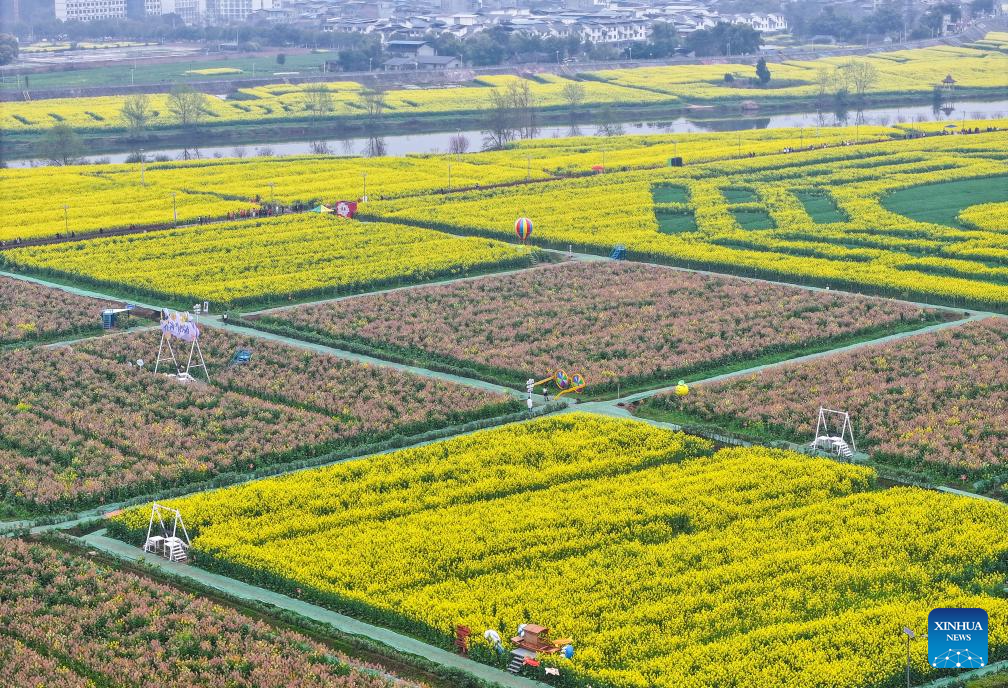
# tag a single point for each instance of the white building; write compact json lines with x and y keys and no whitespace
{"x":90,"y":10}
{"x":606,"y":30}
{"x":764,"y":23}
{"x":227,"y":11}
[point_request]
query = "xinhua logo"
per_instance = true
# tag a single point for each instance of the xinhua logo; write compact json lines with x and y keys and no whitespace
{"x":957,"y":638}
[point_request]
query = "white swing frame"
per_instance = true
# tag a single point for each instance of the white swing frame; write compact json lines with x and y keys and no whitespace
{"x":823,"y":428}
{"x":156,"y":543}
{"x":194,"y":348}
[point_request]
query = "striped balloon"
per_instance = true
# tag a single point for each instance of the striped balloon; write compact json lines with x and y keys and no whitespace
{"x":523,"y":228}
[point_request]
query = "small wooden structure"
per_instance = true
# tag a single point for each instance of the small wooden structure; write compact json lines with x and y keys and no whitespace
{"x":535,"y":638}
{"x":948,"y":83}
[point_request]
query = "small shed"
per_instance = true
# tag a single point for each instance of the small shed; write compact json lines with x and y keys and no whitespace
{"x":536,"y":639}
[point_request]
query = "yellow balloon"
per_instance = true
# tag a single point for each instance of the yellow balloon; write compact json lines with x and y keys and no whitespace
{"x":681,"y":389}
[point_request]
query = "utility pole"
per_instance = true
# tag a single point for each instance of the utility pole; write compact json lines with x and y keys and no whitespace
{"x":174,"y":207}
{"x":449,"y":177}
{"x":66,"y":219}
{"x":365,"y":187}
{"x":272,"y":186}
{"x":528,"y":168}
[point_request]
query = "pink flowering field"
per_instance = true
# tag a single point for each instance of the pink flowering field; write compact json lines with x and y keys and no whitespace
{"x":67,"y":622}
{"x":78,"y":426}
{"x":610,"y":320}
{"x":30,"y":312}
{"x":937,"y":400}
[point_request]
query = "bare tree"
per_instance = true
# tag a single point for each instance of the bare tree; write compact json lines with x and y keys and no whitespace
{"x":318,"y":100}
{"x":574,"y":93}
{"x":239,"y":152}
{"x":524,"y":103}
{"x":840,"y":80}
{"x":375,"y":147}
{"x":501,"y":124}
{"x":264,"y":152}
{"x":458,"y":144}
{"x":187,"y":105}
{"x":137,"y":113}
{"x":824,"y":80}
{"x":862,"y":75}
{"x":320,"y":148}
{"x":372,"y":101}
{"x":607,"y":124}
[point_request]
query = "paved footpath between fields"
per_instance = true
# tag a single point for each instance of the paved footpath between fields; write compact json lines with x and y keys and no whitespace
{"x":886,"y":339}
{"x":215,"y":322}
{"x":235,"y":588}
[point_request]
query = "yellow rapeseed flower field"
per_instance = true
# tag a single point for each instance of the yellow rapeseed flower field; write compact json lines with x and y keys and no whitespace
{"x":668,"y":564}
{"x":805,"y":207}
{"x":109,"y":197}
{"x":267,"y":260}
{"x":905,"y":72}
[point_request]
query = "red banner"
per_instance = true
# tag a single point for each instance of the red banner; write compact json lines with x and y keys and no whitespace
{"x":346,"y":208}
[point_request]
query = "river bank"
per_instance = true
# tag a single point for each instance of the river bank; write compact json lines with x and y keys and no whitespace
{"x":418,"y":135}
{"x":412,"y":137}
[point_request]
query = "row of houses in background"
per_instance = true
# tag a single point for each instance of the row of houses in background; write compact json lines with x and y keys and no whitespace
{"x":610,"y":22}
{"x":599,"y":21}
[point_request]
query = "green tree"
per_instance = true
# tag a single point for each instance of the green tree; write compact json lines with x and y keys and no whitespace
{"x":8,"y":48}
{"x":934,"y":18}
{"x":61,"y":145}
{"x":762,"y":72}
{"x":482,"y":50}
{"x":137,"y":113}
{"x":724,"y":39}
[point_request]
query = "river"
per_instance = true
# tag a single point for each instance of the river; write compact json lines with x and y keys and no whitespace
{"x":438,"y":142}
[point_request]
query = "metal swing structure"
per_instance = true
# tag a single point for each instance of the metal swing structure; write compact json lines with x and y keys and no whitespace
{"x":826,"y":439}
{"x":184,"y":327}
{"x":165,"y":541}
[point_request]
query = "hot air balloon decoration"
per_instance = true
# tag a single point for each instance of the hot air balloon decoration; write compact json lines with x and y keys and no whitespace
{"x":682,"y":389}
{"x":523,"y":228}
